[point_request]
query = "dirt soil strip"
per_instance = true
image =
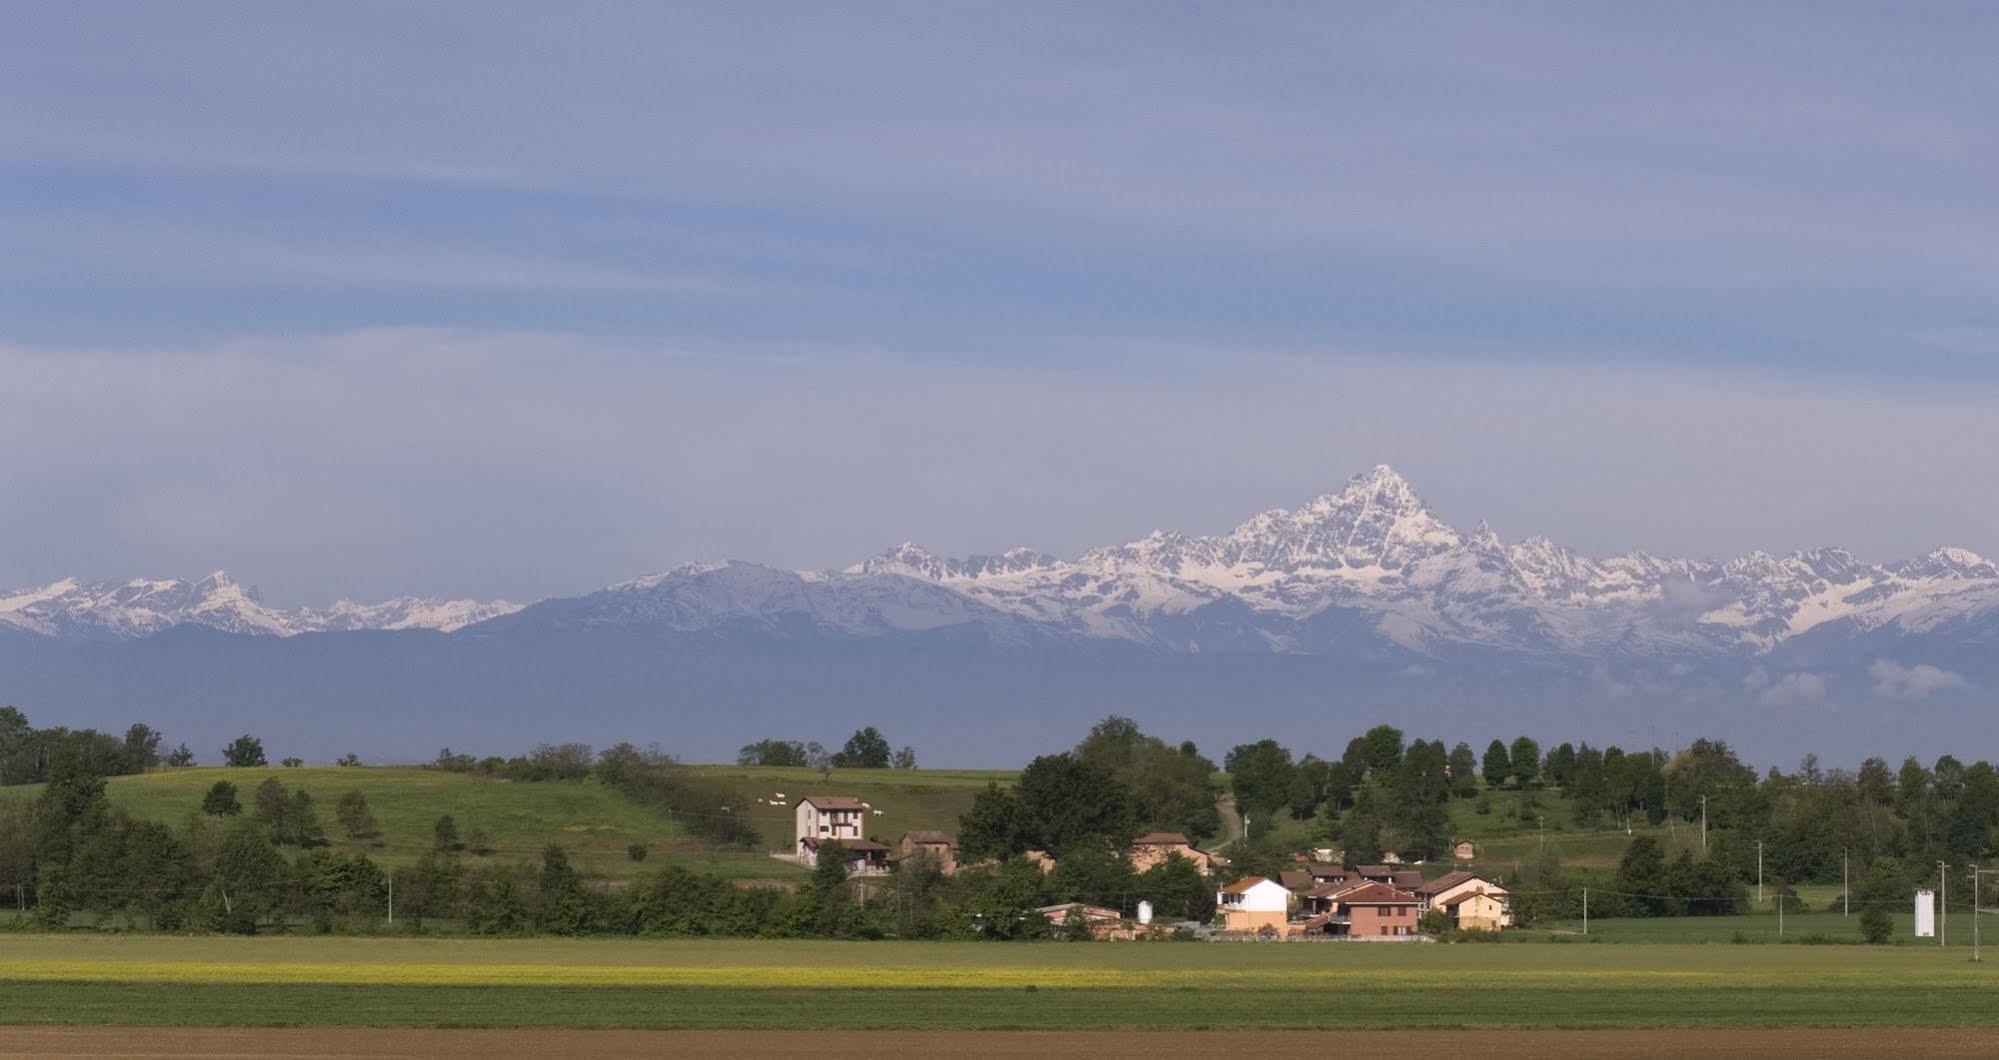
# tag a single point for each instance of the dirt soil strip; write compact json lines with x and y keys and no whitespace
{"x":372,"y":1042}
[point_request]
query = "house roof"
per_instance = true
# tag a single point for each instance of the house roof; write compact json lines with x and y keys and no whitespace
{"x":1161,"y":839}
{"x":1093,"y":912}
{"x":834,"y":802}
{"x":1459,"y":899}
{"x":1445,"y":882}
{"x":1374,"y":870}
{"x":852,"y":846}
{"x":1406,"y":878}
{"x":1295,"y":879}
{"x":1243,"y":885}
{"x":1327,"y":868}
{"x":930,"y":837}
{"x":1377,"y":894}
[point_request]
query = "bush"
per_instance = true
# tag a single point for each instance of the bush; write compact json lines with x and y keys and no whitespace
{"x":637,"y":852}
{"x":1876,"y":927}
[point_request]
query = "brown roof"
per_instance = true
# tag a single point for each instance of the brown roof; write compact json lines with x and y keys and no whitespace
{"x":1374,"y":870}
{"x":1406,"y":878}
{"x":1445,"y":882}
{"x":1326,"y":868}
{"x":834,"y":802}
{"x":930,"y":837}
{"x":1459,"y":899}
{"x":1163,"y":839}
{"x":1242,"y":885}
{"x":1295,"y":879}
{"x":1377,"y":894}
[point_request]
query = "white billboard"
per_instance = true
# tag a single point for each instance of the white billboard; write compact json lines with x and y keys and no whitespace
{"x":1926,"y":914}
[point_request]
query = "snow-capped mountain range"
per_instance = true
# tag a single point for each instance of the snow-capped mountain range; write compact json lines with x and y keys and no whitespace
{"x":1368,"y":568}
{"x":1365,"y":571}
{"x":142,"y":607}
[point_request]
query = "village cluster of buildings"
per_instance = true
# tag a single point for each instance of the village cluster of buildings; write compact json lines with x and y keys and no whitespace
{"x":1368,"y":902}
{"x":1320,"y":898}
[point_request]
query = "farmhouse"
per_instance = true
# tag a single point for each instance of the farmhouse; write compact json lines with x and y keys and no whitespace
{"x":936,"y":845}
{"x":1156,"y":848}
{"x":1464,"y":850}
{"x":820,"y":817}
{"x":1102,"y":923}
{"x":1438,"y":892}
{"x":1254,"y":904}
{"x":1478,"y":910}
{"x":864,"y":857}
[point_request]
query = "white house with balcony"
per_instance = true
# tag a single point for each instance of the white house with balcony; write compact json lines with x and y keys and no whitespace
{"x":823,"y":817}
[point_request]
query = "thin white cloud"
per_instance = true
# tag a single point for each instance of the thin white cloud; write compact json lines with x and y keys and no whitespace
{"x":1796,"y":689}
{"x":1892,"y":680}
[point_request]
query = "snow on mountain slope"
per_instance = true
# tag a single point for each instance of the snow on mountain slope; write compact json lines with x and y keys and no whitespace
{"x":1367,"y":570}
{"x":141,"y":607}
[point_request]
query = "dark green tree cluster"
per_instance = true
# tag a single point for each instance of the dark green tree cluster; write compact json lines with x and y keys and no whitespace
{"x":27,"y":753}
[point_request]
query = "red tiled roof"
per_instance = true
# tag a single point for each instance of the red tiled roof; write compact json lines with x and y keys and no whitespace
{"x":1377,"y":894}
{"x":1445,"y":882}
{"x":1459,"y":899}
{"x":1242,"y":885}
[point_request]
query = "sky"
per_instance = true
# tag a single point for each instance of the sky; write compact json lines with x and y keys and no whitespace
{"x":517,"y":300}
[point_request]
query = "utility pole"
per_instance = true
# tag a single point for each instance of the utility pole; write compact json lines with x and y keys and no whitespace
{"x":1759,"y":872}
{"x":392,"y":899}
{"x":1845,"y":897}
{"x":1943,"y":904}
{"x":1975,"y":873}
{"x":1586,"y":913}
{"x":1544,"y":833}
{"x":1780,"y":914}
{"x":1703,"y":822}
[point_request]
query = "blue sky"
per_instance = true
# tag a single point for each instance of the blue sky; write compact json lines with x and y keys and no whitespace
{"x":519,"y":299}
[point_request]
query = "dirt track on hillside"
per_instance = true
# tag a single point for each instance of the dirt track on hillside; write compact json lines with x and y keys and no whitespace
{"x":343,"y":1042}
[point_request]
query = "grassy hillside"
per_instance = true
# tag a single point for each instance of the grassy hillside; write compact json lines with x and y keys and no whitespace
{"x":595,"y":823}
{"x":908,"y":799}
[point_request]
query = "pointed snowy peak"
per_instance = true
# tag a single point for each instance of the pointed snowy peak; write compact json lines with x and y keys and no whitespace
{"x":1485,"y":541}
{"x":908,"y":558}
{"x":1376,"y":521}
{"x":1949,"y":563}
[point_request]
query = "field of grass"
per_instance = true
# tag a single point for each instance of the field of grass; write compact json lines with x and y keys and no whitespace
{"x":595,"y":823}
{"x":635,"y":983}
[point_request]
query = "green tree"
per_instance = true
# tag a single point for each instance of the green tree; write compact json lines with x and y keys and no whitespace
{"x":1526,"y":761}
{"x":905,"y":758}
{"x":1171,"y":786}
{"x":1464,"y":771}
{"x":250,"y":878}
{"x":356,"y":819}
{"x":1497,"y":766}
{"x":1562,"y":764}
{"x":1067,"y":802}
{"x":564,"y":908}
{"x":444,"y":834}
{"x":244,"y":752}
{"x":994,"y":827}
{"x":1260,"y":774}
{"x":866,"y":749}
{"x":181,"y":758}
{"x":1384,"y":747}
{"x":221,"y":800}
{"x":142,"y":748}
{"x":1641,"y":876}
{"x":772,"y":753}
